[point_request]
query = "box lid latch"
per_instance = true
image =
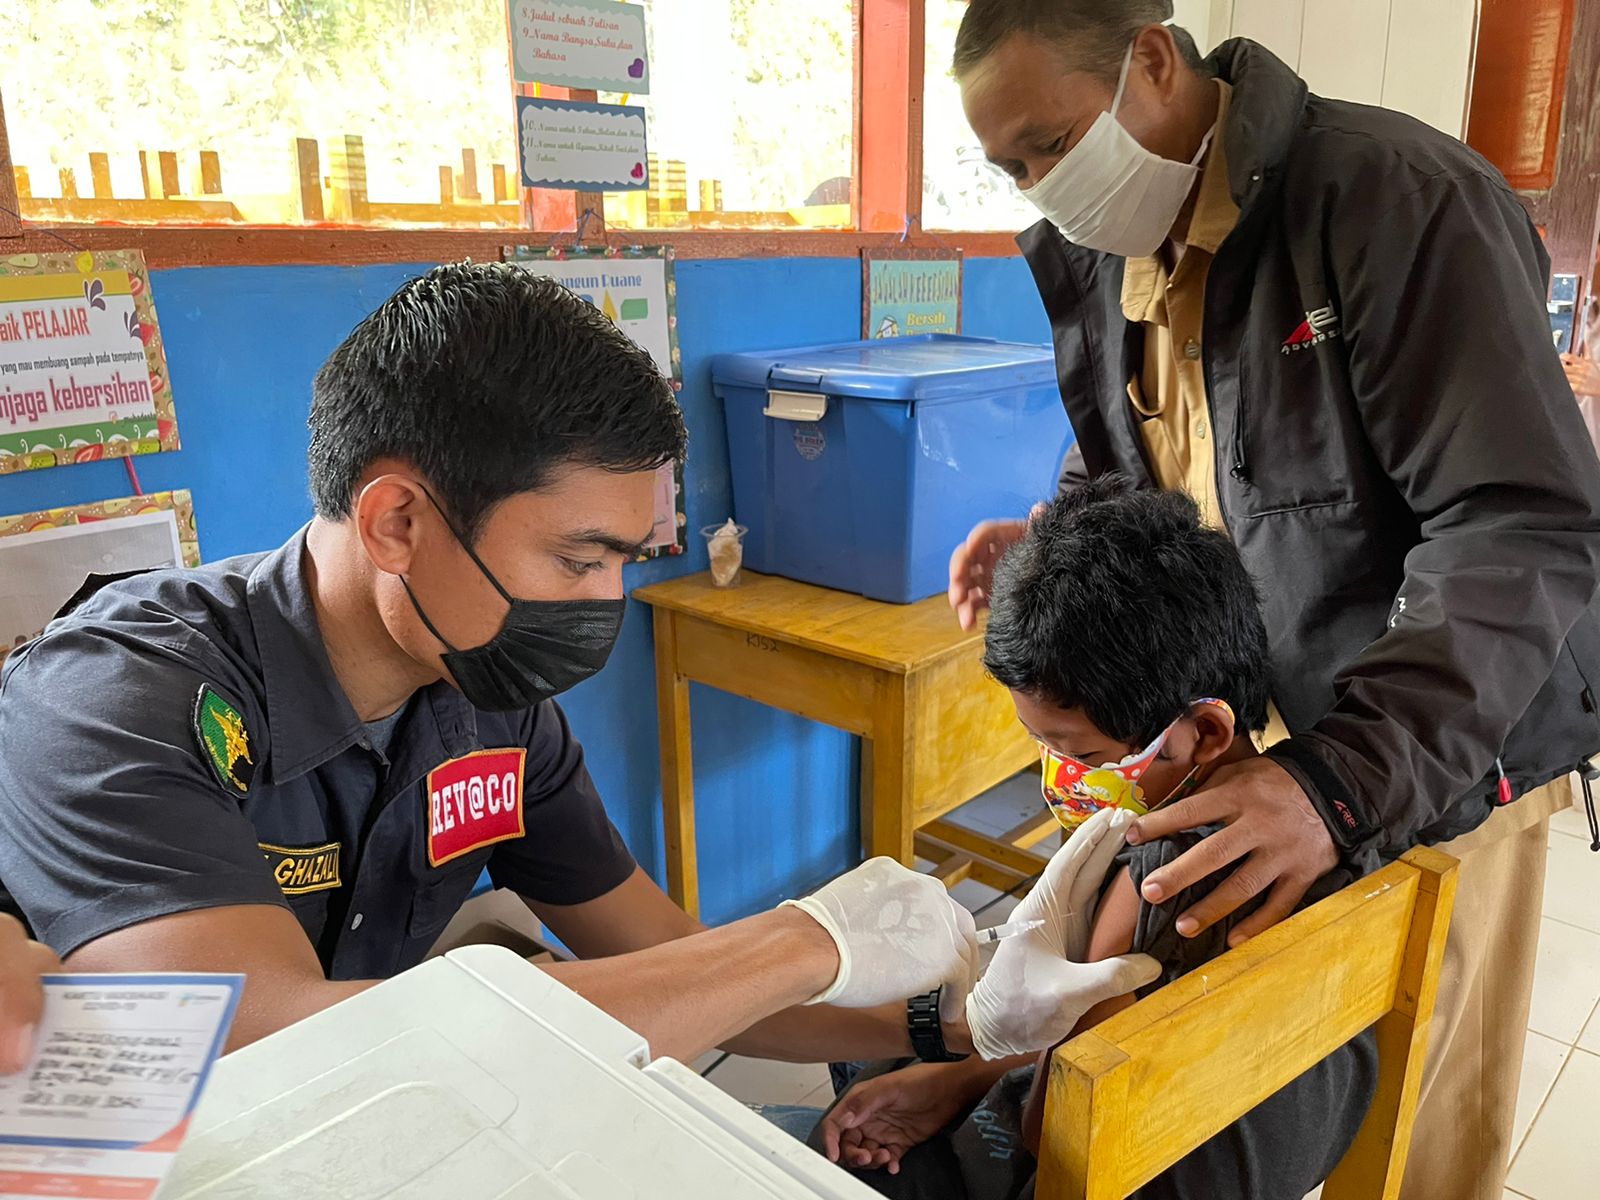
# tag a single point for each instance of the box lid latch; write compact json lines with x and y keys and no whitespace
{"x":795,"y":406}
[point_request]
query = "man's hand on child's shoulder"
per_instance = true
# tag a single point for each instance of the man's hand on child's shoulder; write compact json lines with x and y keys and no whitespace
{"x":1272,"y":831}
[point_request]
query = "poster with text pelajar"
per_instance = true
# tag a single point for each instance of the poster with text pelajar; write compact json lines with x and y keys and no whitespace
{"x":635,"y":289}
{"x":82,"y":372}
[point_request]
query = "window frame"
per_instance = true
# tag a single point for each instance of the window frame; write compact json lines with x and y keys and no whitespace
{"x":887,"y":150}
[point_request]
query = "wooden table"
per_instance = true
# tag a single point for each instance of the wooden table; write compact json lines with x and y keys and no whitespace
{"x":936,"y":730}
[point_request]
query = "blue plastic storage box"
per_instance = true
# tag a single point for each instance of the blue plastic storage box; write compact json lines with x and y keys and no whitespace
{"x":860,"y":466}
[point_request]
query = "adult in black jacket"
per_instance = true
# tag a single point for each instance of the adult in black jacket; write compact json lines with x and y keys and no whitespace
{"x":1326,"y":321}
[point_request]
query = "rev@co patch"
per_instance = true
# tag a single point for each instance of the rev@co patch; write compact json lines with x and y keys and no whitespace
{"x":474,"y":801}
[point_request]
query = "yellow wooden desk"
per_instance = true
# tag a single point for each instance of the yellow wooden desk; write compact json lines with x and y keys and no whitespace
{"x":936,"y":730}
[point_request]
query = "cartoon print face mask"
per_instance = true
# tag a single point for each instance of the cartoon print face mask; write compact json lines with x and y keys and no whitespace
{"x":1075,"y":790}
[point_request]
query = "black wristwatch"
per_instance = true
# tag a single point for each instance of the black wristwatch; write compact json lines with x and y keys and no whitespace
{"x":927,"y":1034}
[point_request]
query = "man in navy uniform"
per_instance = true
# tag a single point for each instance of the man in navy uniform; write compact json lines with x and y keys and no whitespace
{"x":296,"y":764}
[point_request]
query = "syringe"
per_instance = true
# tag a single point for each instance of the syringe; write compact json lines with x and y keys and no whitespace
{"x":998,"y":933}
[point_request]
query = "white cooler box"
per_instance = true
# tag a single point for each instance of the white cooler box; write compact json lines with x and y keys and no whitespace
{"x":477,"y":1076}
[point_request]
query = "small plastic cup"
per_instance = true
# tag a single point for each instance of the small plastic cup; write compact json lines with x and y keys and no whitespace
{"x":726,"y":548}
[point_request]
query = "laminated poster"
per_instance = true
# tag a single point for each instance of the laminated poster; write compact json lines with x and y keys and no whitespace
{"x":82,"y":372}
{"x":45,"y":557}
{"x":582,"y":147}
{"x":635,"y":288}
{"x":909,"y":290}
{"x":594,"y":44}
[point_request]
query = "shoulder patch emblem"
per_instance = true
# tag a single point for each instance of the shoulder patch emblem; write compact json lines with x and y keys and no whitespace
{"x":224,"y":745}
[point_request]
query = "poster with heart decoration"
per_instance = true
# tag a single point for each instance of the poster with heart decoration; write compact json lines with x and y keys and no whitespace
{"x":582,"y":147}
{"x":596,"y":44}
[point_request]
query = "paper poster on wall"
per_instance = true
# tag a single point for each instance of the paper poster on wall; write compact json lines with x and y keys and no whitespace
{"x":635,"y":288}
{"x":906,"y":291}
{"x":582,"y":147}
{"x":597,"y":44}
{"x":82,"y":372}
{"x":45,"y":556}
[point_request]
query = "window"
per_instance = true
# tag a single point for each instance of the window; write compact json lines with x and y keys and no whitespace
{"x":749,"y":117}
{"x":960,"y":188}
{"x":385,"y":112}
{"x":401,"y":113}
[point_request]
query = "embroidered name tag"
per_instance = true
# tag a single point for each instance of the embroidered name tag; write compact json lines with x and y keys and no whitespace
{"x":473,"y":802}
{"x":301,"y":869}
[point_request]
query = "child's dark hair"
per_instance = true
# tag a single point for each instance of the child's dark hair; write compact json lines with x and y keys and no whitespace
{"x":1123,"y":604}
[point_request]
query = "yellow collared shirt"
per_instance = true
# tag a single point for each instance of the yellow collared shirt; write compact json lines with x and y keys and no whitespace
{"x":1169,"y":393}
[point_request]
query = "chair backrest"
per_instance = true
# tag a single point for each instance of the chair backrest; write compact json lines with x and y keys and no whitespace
{"x":1130,"y":1097}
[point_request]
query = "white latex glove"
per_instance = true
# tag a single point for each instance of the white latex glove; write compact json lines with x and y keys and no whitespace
{"x":1037,"y":987}
{"x":899,"y":934}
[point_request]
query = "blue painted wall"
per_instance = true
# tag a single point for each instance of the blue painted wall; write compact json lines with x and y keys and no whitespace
{"x":776,"y":795}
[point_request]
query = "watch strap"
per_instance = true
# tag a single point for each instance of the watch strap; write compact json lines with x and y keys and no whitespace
{"x":927,"y":1033}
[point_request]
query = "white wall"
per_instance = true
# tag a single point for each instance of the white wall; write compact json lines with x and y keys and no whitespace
{"x":1411,"y":55}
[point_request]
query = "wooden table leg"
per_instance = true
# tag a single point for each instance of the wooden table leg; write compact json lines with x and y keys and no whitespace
{"x":677,"y":767}
{"x":888,"y":771}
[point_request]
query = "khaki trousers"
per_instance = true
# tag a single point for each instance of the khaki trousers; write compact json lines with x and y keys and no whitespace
{"x":1461,"y":1147}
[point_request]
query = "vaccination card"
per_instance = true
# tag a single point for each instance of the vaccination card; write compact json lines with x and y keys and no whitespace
{"x":118,"y":1066}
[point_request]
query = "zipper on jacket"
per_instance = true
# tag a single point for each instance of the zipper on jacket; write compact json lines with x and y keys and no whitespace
{"x":1587,"y":774}
{"x":1239,"y":470}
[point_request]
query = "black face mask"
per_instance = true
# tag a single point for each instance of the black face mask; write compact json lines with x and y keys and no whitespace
{"x":543,"y":648}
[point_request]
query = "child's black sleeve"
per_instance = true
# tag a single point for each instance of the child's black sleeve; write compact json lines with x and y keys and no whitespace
{"x":1156,"y":932}
{"x":1286,"y":1145}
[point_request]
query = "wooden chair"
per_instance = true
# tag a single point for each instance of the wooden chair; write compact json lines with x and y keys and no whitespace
{"x":1135,"y":1094}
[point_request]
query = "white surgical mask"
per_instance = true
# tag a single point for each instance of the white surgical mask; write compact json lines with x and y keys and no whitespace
{"x":1111,"y":194}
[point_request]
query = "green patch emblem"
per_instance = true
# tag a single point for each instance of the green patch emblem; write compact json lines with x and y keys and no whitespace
{"x":224,"y":744}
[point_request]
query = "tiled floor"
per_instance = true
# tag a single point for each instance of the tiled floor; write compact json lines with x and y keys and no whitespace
{"x":1558,"y":1156}
{"x":1558,"y":1149}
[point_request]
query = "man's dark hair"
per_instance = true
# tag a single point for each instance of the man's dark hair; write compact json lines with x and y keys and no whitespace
{"x":1123,"y":604}
{"x":487,"y":379}
{"x":1093,"y":35}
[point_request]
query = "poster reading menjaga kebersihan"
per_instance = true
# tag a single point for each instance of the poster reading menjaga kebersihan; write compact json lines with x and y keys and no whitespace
{"x":82,"y":375}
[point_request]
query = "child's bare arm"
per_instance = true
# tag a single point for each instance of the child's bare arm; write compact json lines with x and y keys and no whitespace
{"x":1111,"y":935}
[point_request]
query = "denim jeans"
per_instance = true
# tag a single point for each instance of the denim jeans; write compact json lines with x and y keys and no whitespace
{"x":844,"y":1074}
{"x":799,"y":1120}
{"x":794,"y":1119}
